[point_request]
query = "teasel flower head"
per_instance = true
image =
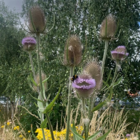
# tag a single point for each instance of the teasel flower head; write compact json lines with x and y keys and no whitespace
{"x":29,"y":44}
{"x":119,"y":54}
{"x":36,"y":20}
{"x":72,"y":51}
{"x":84,"y":85}
{"x":37,"y":80}
{"x":94,"y":70}
{"x":108,"y":28}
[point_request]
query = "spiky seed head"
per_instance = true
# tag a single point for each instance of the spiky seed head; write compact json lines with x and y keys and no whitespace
{"x":73,"y":51}
{"x":37,"y":79}
{"x":94,"y":69}
{"x":28,"y":44}
{"x":84,"y":85}
{"x":36,"y":20}
{"x":108,"y":28}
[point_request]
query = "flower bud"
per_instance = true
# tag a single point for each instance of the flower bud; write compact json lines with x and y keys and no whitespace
{"x":93,"y":69}
{"x":36,"y":20}
{"x":29,"y":44}
{"x":119,"y":53}
{"x":108,"y":28}
{"x":84,"y":85}
{"x":73,"y":51}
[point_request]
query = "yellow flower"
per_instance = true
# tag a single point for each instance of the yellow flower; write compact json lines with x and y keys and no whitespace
{"x":29,"y":131}
{"x":8,"y":123}
{"x":2,"y":126}
{"x":24,"y":139}
{"x":16,"y":128}
{"x":20,"y":136}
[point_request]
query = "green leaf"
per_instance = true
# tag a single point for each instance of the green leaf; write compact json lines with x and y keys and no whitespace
{"x":45,"y":80}
{"x":36,"y":98}
{"x":108,"y":76}
{"x":44,"y":123}
{"x":99,"y":106}
{"x":33,"y":133}
{"x":104,"y":136}
{"x":32,"y":80}
{"x":93,"y":136}
{"x":118,"y":82}
{"x":48,"y":108}
{"x":76,"y":135}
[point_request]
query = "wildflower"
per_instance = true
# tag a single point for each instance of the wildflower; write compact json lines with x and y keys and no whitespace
{"x":84,"y":85}
{"x":20,"y":136}
{"x":8,"y":123}
{"x":29,"y":43}
{"x":2,"y":126}
{"x":24,"y":139}
{"x":119,"y":53}
{"x":108,"y":28}
{"x":73,"y":51}
{"x":16,"y":128}
{"x":36,"y":20}
{"x":29,"y":131}
{"x":93,"y":69}
{"x":128,"y":135}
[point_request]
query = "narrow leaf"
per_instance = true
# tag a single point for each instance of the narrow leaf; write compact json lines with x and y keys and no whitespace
{"x":45,"y":80}
{"x":104,"y":136}
{"x":44,"y":123}
{"x":36,"y":98}
{"x":118,"y":82}
{"x":93,"y":136}
{"x":99,"y":106}
{"x":32,"y":80}
{"x":48,"y":108}
{"x":76,"y":135}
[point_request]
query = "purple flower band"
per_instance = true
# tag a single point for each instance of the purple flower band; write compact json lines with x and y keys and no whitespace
{"x":28,"y":40}
{"x":80,"y":83}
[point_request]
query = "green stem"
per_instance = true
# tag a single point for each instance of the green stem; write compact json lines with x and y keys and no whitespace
{"x":84,"y":116}
{"x":40,"y":78}
{"x":104,"y":56}
{"x":91,"y":105}
{"x":50,"y":127}
{"x":115,"y":73}
{"x":69,"y":104}
{"x":32,"y":66}
{"x":39,"y":66}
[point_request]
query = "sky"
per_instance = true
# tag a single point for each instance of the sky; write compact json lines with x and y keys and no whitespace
{"x":15,"y":5}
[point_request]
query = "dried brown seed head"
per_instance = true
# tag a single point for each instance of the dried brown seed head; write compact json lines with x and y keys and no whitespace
{"x":73,"y":51}
{"x":108,"y":28}
{"x":36,"y":20}
{"x":94,"y":69}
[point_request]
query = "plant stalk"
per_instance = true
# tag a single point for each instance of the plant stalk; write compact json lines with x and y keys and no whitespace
{"x":40,"y":78}
{"x":104,"y":57}
{"x":32,"y":66}
{"x":39,"y":66}
{"x":69,"y":104}
{"x":50,"y":127}
{"x":84,"y":116}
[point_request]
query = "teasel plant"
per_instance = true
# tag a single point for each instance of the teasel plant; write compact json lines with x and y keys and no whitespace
{"x":72,"y":57}
{"x":87,"y":86}
{"x":37,"y":26}
{"x":107,"y":33}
